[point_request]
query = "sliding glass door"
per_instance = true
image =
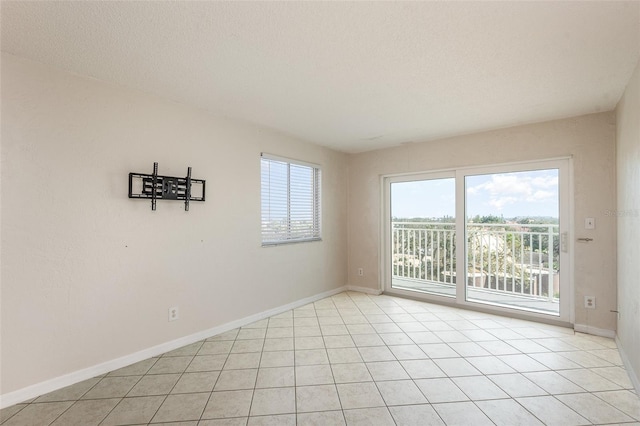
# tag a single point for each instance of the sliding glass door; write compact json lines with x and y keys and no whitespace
{"x":495,"y":236}
{"x":423,"y":234}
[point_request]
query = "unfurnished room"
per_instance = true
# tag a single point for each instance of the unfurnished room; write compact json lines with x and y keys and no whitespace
{"x":319,"y":213}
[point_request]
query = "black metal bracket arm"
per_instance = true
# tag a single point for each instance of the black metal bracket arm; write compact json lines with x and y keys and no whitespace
{"x":157,"y":187}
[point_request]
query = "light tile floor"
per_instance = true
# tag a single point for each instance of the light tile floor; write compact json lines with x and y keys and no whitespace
{"x":360,"y":360}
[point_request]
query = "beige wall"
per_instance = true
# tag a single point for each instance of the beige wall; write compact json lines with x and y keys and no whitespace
{"x":628,"y":214}
{"x":87,"y":274}
{"x":590,"y":140}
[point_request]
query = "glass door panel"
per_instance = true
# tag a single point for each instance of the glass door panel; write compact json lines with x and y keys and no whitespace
{"x":512,"y":231}
{"x":423,"y":236}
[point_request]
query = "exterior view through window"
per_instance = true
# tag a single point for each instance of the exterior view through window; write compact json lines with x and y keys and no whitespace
{"x":481,"y":236}
{"x":290,"y":200}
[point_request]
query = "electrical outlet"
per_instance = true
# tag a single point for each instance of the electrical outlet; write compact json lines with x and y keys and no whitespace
{"x":360,"y":271}
{"x":590,"y":302}
{"x":173,"y":313}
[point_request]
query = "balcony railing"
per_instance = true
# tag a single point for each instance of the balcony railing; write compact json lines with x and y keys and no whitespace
{"x":514,"y":259}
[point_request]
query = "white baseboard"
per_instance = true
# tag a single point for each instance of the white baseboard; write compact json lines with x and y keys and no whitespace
{"x":603,"y":332}
{"x":633,"y":375}
{"x":367,"y":290}
{"x":60,"y":382}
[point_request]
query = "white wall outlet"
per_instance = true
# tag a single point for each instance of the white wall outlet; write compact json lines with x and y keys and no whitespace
{"x":589,"y":223}
{"x":174,"y":314}
{"x":590,"y":302}
{"x":360,"y":271}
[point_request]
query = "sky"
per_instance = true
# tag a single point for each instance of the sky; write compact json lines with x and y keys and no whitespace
{"x":531,"y":193}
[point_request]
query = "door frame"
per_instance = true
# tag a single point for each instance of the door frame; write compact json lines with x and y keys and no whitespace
{"x":566,"y":207}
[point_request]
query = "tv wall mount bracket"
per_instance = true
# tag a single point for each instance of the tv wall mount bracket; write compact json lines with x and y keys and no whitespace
{"x":157,"y":187}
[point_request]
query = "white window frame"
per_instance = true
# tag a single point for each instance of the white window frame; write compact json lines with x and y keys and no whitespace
{"x":288,"y":234}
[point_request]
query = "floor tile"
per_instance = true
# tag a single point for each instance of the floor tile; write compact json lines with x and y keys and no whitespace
{"x":369,"y":417}
{"x":624,"y":400}
{"x":479,"y":388}
{"x":69,"y":393}
{"x":275,"y":377}
{"x":273,"y":401}
{"x":334,"y":330}
{"x":307,"y":331}
{"x":454,"y":367}
{"x":551,"y":411}
{"x":498,"y":347}
{"x":156,"y":384}
{"x":313,"y":375}
{"x":430,"y":363}
{"x":360,"y":329}
{"x":415,"y":415}
{"x":222,"y":347}
{"x":196,"y":382}
{"x":86,"y":412}
{"x":278,"y":420}
{"x":359,"y":395}
{"x":251,"y":333}
{"x":175,"y":364}
{"x":137,"y":369}
{"x":404,"y":352}
{"x":279,"y":333}
{"x":589,"y":380}
{"x":553,"y":382}
{"x":365,"y":340}
{"x":401,"y":392}
{"x":278,"y":344}
{"x":112,"y":387}
{"x":468,"y":349}
{"x":38,"y":414}
{"x":350,"y":373}
{"x":277,"y":359}
{"x":8,"y":412}
{"x":317,"y":398}
{"x":324,"y":418}
{"x":228,"y":404}
{"x":617,"y":375}
{"x":593,"y":409}
{"x":181,"y":407}
{"x":242,"y":346}
{"x":490,"y":365}
{"x":332,"y":342}
{"x":507,"y":412}
{"x":246,"y":360}
{"x":440,"y":390}
{"x":516,"y":385}
{"x":134,"y":411}
{"x":343,"y":355}
{"x":188,"y":350}
{"x":236,"y":380}
{"x":376,"y":353}
{"x":461,"y":413}
{"x":387,"y":370}
{"x":396,"y":339}
{"x":422,"y":369}
{"x":315,"y":342}
{"x":311,"y":357}
{"x":280,"y":322}
{"x":438,"y":350}
{"x":207,"y":363}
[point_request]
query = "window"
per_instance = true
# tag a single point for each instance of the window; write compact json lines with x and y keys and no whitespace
{"x":290,"y":200}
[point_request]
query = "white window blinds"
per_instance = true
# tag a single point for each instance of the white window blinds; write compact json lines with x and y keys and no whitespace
{"x":290,"y":195}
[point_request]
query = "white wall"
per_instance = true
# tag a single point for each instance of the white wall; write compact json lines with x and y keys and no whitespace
{"x":589,"y":139}
{"x":628,"y":214}
{"x":88,"y":274}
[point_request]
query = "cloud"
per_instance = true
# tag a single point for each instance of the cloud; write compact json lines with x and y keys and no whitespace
{"x":506,"y":189}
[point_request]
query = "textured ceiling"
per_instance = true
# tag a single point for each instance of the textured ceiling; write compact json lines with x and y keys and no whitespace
{"x":353,"y":76}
